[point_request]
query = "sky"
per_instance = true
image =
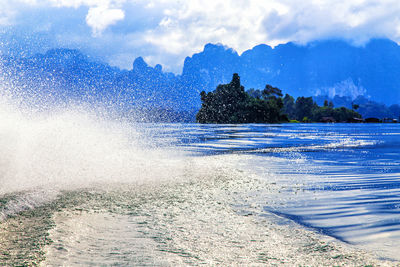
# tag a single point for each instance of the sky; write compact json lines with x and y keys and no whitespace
{"x":166,"y":31}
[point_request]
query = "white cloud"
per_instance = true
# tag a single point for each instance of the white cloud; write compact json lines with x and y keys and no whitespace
{"x":7,"y":14}
{"x":89,"y":3}
{"x":187,"y":26}
{"x":357,"y":20}
{"x":101,"y":13}
{"x":165,"y":31}
{"x":99,"y":18}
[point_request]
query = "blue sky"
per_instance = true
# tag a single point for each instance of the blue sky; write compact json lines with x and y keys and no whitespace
{"x":166,"y":31}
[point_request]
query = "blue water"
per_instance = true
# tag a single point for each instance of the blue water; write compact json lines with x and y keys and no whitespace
{"x":342,"y":180}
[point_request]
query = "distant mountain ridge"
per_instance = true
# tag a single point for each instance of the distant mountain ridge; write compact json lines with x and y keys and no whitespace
{"x":324,"y":68}
{"x":321,"y":67}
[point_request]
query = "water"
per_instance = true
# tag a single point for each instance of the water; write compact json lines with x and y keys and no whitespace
{"x":173,"y":194}
{"x":340,"y":179}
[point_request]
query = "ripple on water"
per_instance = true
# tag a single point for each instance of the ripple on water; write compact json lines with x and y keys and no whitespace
{"x":94,"y":239}
{"x":211,"y":220}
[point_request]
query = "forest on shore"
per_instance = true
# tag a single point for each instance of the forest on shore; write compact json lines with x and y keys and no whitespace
{"x":230,"y":103}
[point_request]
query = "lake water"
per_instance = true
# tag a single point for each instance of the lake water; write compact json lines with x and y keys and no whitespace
{"x":180,"y":182}
{"x":340,"y":179}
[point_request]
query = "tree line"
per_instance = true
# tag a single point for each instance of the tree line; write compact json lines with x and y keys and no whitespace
{"x":230,"y":103}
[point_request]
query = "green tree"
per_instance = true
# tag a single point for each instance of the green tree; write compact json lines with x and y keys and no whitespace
{"x":289,"y":106}
{"x":341,"y":114}
{"x":254,"y":93}
{"x":271,"y":91}
{"x":354,"y":106}
{"x":304,"y":107}
{"x":225,"y":104}
{"x":229,"y":103}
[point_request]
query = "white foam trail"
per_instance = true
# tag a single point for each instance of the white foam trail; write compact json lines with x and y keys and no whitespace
{"x":342,"y":144}
{"x":74,"y":147}
{"x":26,"y":201}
